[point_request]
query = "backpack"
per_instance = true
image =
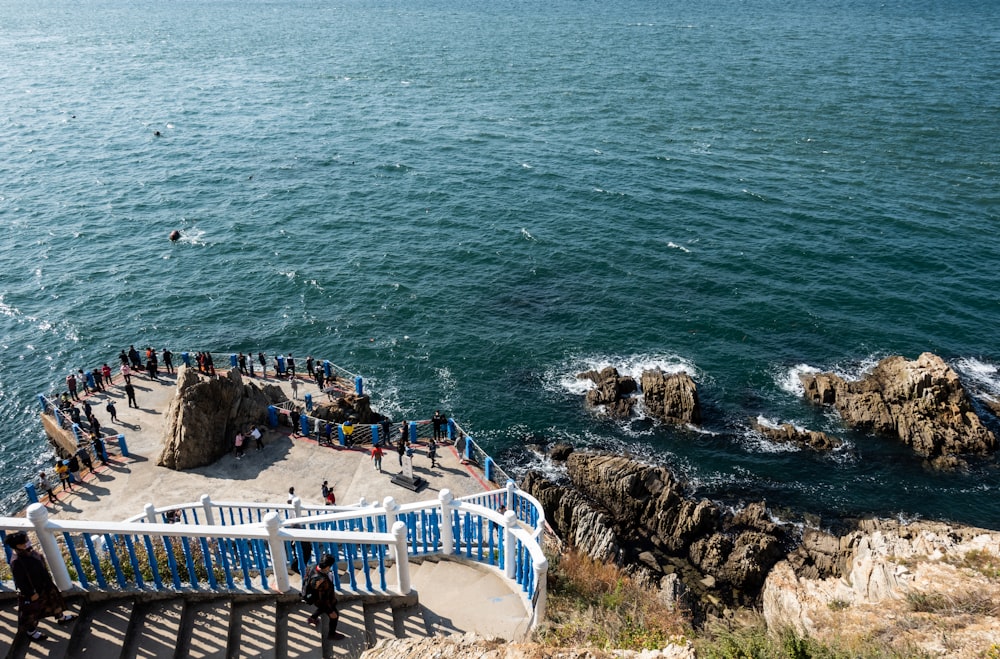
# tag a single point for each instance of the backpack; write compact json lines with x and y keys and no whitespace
{"x":310,"y":594}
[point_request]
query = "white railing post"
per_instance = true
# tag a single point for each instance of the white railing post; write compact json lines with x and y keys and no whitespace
{"x":511,"y":491}
{"x":39,"y":516}
{"x":206,"y":504}
{"x":391,"y":508}
{"x":273,"y":525}
{"x":150,"y":511}
{"x":402,"y":559}
{"x":541,"y":568}
{"x":509,"y":544}
{"x":447,"y":537}
{"x":296,"y":507}
{"x":362,"y":502}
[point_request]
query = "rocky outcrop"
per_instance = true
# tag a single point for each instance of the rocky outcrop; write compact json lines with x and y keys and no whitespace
{"x":637,"y":514}
{"x":921,"y":402}
{"x":470,"y":646}
{"x":206,"y":413}
{"x":927,"y":586}
{"x":612,"y":392}
{"x":669,"y":397}
{"x":349,"y":406}
{"x":786,"y":433}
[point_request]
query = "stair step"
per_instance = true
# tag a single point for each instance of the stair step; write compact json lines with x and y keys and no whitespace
{"x":253,"y":632}
{"x":351,"y":625}
{"x":422,"y":574}
{"x":206,"y":630}
{"x":297,"y":638}
{"x":8,"y":626}
{"x":156,"y":630}
{"x":102,"y":629}
{"x":408,"y":622}
{"x":59,"y":637}
{"x":379,"y":623}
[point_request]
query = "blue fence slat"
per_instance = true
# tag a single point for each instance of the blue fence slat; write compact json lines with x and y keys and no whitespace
{"x":134,"y":561}
{"x":113,"y":553}
{"x":261,"y":558}
{"x":189,"y":561}
{"x":157,"y":581}
{"x":81,"y":577}
{"x":351,"y":556}
{"x":175,"y":574}
{"x":381,"y":567}
{"x":207,"y":556}
{"x":479,"y":538}
{"x":95,"y":561}
{"x":366,"y":567}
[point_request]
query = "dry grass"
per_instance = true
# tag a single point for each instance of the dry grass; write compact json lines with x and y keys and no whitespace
{"x":596,"y":604}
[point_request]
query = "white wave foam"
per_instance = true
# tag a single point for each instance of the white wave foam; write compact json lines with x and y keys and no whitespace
{"x":682,"y":248}
{"x":193,"y":236}
{"x":564,"y":377}
{"x":789,"y":381}
{"x":983,"y":375}
{"x":526,"y":235}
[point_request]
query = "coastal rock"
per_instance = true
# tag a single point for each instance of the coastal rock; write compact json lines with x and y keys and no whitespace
{"x":206,"y":413}
{"x":560,"y":451}
{"x":470,"y":646}
{"x":904,"y":582}
{"x":348,"y":406}
{"x":671,"y":397}
{"x":642,"y":513}
{"x":613,"y":392}
{"x":921,"y":402}
{"x":786,"y":433}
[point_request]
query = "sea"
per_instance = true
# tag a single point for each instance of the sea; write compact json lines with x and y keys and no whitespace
{"x":468,"y":203}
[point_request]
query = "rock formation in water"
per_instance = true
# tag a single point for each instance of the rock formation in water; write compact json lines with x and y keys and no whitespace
{"x":636,"y":514}
{"x":612,"y":392}
{"x":669,"y":397}
{"x":786,"y":433}
{"x":921,"y":402}
{"x":206,"y":413}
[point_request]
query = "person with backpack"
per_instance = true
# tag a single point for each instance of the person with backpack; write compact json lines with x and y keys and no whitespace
{"x":318,"y":591}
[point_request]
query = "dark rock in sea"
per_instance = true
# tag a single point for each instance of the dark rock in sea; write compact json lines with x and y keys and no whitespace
{"x":206,"y":414}
{"x":786,"y":433}
{"x":921,"y":402}
{"x":671,"y":397}
{"x":613,"y":392}
{"x":637,"y":514}
{"x":560,"y":452}
{"x":348,"y":406}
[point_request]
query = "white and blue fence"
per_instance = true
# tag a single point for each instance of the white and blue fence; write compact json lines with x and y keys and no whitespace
{"x":241,"y":547}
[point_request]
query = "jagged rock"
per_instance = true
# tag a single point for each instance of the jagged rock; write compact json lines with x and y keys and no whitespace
{"x":206,"y":413}
{"x":786,"y":433}
{"x":921,"y":402}
{"x":470,"y":646}
{"x":559,"y":452}
{"x":889,"y":565}
{"x":349,"y":406}
{"x":612,"y":392}
{"x":641,"y":511}
{"x":671,"y":397}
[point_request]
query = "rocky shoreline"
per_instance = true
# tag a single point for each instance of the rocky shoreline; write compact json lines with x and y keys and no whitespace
{"x":712,"y":560}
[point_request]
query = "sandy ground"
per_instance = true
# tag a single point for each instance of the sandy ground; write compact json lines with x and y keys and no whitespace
{"x":122,"y":489}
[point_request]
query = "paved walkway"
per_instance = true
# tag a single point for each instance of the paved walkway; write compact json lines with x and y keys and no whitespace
{"x":127,"y":484}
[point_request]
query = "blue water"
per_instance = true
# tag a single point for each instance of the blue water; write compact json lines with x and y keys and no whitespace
{"x":468,"y":203}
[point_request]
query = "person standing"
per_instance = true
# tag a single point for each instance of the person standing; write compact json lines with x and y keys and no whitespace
{"x":309,"y":367}
{"x":168,"y":361}
{"x":255,"y":433}
{"x":241,"y":359}
{"x":290,"y":362}
{"x":45,"y":485}
{"x":432,"y":452}
{"x":238,"y":444}
{"x":401,"y":444}
{"x":263,"y":364}
{"x":37,"y":595}
{"x":294,"y":414}
{"x":106,"y":372}
{"x":385,"y":432}
{"x":98,"y":379}
{"x":110,"y":407}
{"x":126,"y":373}
{"x":295,"y":388}
{"x":71,"y":386}
{"x":377,"y":454}
{"x":130,"y":393}
{"x":438,"y":420}
{"x":318,"y":590}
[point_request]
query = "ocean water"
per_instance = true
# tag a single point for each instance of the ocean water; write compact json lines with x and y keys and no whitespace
{"x":468,"y":203}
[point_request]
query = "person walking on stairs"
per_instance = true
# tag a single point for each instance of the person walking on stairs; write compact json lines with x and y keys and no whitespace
{"x":37,"y":595}
{"x":318,"y":590}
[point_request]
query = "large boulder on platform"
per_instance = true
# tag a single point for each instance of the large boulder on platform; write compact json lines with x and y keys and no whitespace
{"x":348,"y":406}
{"x":786,"y":433}
{"x":612,"y":391}
{"x":206,"y":413}
{"x":921,"y":402}
{"x":671,"y":397}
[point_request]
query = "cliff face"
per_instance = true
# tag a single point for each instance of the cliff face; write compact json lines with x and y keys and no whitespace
{"x":206,"y":413}
{"x":924,"y":585}
{"x":921,"y":402}
{"x":636,"y":514}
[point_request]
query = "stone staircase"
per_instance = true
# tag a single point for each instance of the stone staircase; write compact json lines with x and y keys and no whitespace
{"x":448,"y":597}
